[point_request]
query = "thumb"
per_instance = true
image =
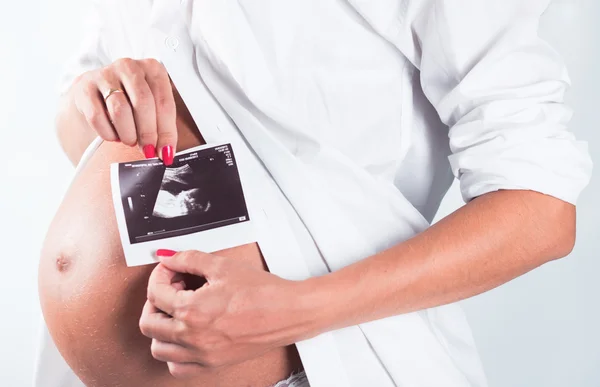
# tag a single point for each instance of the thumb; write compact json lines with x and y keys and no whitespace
{"x":191,"y":262}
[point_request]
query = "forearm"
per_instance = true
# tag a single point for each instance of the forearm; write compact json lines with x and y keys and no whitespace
{"x":74,"y":133}
{"x":486,"y":243}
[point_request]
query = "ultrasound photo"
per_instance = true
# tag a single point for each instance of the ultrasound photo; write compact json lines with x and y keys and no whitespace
{"x":200,"y":191}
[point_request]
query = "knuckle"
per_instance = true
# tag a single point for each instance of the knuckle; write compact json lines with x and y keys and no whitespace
{"x":95,"y":117}
{"x":169,"y":138}
{"x":147,"y":137}
{"x":142,"y":99}
{"x":178,"y":371}
{"x":154,"y":349}
{"x":150,"y":296}
{"x":89,"y":88}
{"x":205,"y":348}
{"x":153,"y":65}
{"x":144,"y":95}
{"x":182,"y":310}
{"x":211,"y":360}
{"x":84,"y":79}
{"x":127,"y":139}
{"x":106,"y":73}
{"x":152,"y":62}
{"x":186,"y":256}
{"x":144,"y":327}
{"x":165,"y":104}
{"x":125,"y":64}
{"x":180,"y":334}
{"x":119,"y":108}
{"x":218,"y":265}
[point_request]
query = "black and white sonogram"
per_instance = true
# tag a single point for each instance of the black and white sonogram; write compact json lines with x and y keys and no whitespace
{"x":179,"y":194}
{"x":201,"y":190}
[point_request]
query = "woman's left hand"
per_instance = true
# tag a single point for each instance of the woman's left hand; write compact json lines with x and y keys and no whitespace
{"x":240,"y":313}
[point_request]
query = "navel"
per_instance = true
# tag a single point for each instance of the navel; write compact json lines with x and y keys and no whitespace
{"x":63,"y":263}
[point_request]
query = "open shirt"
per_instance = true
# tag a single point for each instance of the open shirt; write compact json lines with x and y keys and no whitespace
{"x":355,"y":116}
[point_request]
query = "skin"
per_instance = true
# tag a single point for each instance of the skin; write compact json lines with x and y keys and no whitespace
{"x":144,"y":114}
{"x":477,"y":248}
{"x":92,"y":301}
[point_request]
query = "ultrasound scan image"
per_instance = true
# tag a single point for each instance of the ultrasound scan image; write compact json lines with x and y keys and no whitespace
{"x":180,"y":194}
{"x":200,"y":191}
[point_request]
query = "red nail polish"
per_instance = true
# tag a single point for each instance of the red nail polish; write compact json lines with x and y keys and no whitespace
{"x":165,"y":253}
{"x":167,"y":154}
{"x":149,"y":151}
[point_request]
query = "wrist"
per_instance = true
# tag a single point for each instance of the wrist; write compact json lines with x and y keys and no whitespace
{"x":317,"y":305}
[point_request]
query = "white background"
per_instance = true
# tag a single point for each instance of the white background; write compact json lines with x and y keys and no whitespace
{"x":540,"y":330}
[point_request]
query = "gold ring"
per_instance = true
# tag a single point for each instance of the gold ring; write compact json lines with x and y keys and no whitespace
{"x":111,"y":92}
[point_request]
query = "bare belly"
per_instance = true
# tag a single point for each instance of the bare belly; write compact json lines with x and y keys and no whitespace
{"x":92,"y":301}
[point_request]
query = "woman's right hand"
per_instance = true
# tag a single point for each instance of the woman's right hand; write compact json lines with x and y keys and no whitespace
{"x":130,"y":101}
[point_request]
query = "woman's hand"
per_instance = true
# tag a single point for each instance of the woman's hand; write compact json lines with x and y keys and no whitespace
{"x":131,"y":101}
{"x":240,"y":313}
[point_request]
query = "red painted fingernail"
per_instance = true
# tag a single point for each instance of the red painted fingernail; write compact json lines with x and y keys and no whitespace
{"x":165,"y":253}
{"x":149,"y":151}
{"x":167,"y":154}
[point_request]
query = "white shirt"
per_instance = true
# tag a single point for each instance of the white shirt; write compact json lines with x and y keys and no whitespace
{"x":357,"y":114}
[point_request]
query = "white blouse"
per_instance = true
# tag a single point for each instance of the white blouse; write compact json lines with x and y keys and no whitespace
{"x":356,"y":115}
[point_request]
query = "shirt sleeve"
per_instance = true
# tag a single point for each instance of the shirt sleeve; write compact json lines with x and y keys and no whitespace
{"x":500,"y":88}
{"x":92,"y":52}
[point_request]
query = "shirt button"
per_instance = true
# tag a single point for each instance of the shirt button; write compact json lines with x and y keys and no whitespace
{"x":172,"y":42}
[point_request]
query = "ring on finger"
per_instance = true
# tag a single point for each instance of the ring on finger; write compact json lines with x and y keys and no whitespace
{"x":111,"y":92}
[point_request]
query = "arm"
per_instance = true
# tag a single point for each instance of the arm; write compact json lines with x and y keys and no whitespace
{"x":475,"y":249}
{"x":500,"y":89}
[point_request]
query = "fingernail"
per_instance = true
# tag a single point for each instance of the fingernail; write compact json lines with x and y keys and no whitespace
{"x":165,"y":253}
{"x":149,"y":151}
{"x":167,"y":154}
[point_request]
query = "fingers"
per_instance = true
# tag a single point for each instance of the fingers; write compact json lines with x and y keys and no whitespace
{"x":180,"y":285}
{"x":185,"y":370}
{"x":166,"y":114}
{"x":193,"y":262}
{"x":157,"y":325}
{"x":90,"y":104}
{"x":118,"y":106}
{"x":164,"y":295}
{"x":142,"y":112}
{"x":169,"y":352}
{"x":133,"y":79}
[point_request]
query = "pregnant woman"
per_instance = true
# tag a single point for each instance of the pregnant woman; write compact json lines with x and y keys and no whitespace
{"x":355,"y":115}
{"x":92,"y":301}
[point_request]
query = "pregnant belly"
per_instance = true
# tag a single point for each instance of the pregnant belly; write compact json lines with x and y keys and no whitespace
{"x":92,"y":301}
